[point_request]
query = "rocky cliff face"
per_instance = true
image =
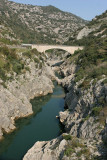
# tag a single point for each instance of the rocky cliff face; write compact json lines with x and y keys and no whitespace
{"x":37,"y":24}
{"x":15,"y":96}
{"x":84,"y":121}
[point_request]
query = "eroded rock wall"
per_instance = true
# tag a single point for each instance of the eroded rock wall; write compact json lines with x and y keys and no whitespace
{"x":85,"y":135}
{"x":15,"y":99}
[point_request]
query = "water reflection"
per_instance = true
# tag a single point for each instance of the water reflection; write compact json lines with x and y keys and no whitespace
{"x":37,"y":104}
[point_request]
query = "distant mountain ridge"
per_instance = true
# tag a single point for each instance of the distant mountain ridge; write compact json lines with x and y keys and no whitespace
{"x":38,"y":24}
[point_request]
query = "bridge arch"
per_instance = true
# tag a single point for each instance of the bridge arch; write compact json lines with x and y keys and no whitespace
{"x":43,"y":47}
{"x":55,"y":49}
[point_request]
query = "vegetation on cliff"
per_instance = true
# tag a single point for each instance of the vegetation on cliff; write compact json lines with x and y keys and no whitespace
{"x":91,"y":70}
{"x":92,"y":60}
{"x":9,"y":62}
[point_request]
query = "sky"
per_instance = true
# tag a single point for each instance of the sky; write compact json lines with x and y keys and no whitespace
{"x":86,"y":9}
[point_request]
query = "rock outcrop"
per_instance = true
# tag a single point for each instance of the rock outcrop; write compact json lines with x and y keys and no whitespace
{"x":46,"y":150}
{"x":15,"y":99}
{"x":84,"y":32}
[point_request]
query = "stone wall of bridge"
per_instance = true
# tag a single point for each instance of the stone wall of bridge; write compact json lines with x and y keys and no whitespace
{"x":43,"y":48}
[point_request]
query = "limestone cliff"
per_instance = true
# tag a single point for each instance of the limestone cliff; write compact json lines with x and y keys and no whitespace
{"x":84,"y":121}
{"x":15,"y":95}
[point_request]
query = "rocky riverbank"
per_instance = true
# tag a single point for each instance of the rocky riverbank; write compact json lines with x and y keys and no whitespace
{"x":84,"y":120}
{"x":15,"y":97}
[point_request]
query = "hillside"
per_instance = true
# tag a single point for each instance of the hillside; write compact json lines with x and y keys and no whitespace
{"x":95,"y":29}
{"x":37,"y":24}
{"x":92,"y":61}
{"x":7,"y":36}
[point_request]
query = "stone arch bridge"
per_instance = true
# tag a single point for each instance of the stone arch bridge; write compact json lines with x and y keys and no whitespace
{"x":43,"y":47}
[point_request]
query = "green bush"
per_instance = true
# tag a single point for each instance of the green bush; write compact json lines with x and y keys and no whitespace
{"x":18,"y":67}
{"x":70,"y":148}
{"x":79,"y":75}
{"x":9,"y":62}
{"x":101,"y":101}
{"x":92,"y":61}
{"x":68,"y":151}
{"x":96,"y":111}
{"x":86,"y":118}
{"x":40,"y":65}
{"x":36,"y":60}
{"x":85,"y":152}
{"x":85,"y":84}
{"x":105,"y":81}
{"x":27,"y":54}
{"x":27,"y":68}
{"x":97,"y":72}
{"x":67,"y":137}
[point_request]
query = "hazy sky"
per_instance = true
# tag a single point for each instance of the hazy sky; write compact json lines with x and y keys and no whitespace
{"x":86,"y":9}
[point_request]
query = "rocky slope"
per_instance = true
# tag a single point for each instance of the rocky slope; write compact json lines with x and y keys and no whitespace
{"x":49,"y":24}
{"x":96,"y":28}
{"x":85,"y":117}
{"x":7,"y":36}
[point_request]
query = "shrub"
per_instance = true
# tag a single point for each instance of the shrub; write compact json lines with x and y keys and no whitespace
{"x":27,"y":68}
{"x":101,"y":101}
{"x":79,"y":75}
{"x":36,"y":60}
{"x":74,"y":143}
{"x":27,"y":54}
{"x":86,"y":118}
{"x":96,"y":111}
{"x":9,"y":62}
{"x":85,"y":84}
{"x":68,"y":151}
{"x":40,"y":65}
{"x":105,"y":81}
{"x":18,"y":67}
{"x":67,"y":137}
{"x":85,"y":152}
{"x":98,"y":72}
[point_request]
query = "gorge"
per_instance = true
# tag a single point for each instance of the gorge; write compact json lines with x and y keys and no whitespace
{"x":29,"y":100}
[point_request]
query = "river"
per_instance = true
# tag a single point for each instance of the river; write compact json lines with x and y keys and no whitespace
{"x":41,"y":126}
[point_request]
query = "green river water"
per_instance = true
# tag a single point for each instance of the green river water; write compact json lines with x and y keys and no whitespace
{"x":41,"y":126}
